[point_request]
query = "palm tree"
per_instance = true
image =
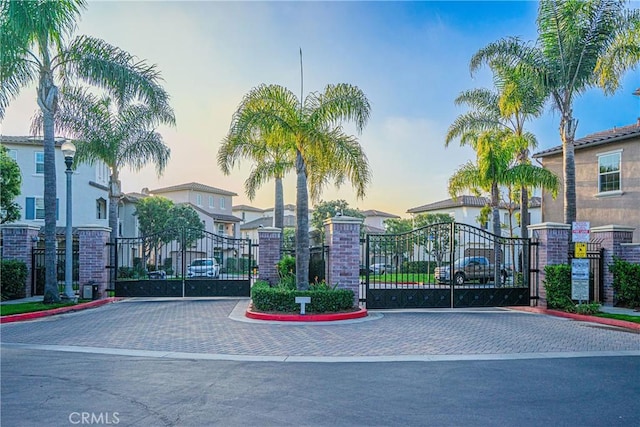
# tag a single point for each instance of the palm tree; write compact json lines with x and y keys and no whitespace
{"x":34,"y":49}
{"x":118,"y":131}
{"x":581,"y":44}
{"x":272,"y":159}
{"x":323,"y":151}
{"x":516,"y":101}
{"x":494,"y":168}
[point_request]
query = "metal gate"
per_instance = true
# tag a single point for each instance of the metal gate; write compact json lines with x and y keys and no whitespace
{"x":446,"y":265}
{"x":183,"y":263}
{"x":38,"y":278}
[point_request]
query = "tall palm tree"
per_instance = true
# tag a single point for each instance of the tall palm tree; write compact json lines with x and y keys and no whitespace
{"x":580,"y":45}
{"x":323,"y":151}
{"x":33,"y":36}
{"x":494,"y":168}
{"x":272,"y":158}
{"x":118,"y":131}
{"x":516,"y":101}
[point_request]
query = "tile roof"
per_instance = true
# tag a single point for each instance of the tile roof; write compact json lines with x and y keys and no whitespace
{"x":289,"y":221}
{"x":604,"y":137}
{"x":451,"y":203}
{"x":216,"y":216}
{"x":246,"y":208}
{"x":373,"y":212}
{"x":193,"y":186}
{"x":28,"y":140}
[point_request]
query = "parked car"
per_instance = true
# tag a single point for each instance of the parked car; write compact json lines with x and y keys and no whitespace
{"x":157,"y":274}
{"x":380,"y":268}
{"x":467,"y":269}
{"x":203,"y":267}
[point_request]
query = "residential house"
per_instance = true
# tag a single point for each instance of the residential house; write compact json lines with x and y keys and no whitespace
{"x":466,"y":210}
{"x":607,"y":179}
{"x":89,"y":189}
{"x":374,"y":220}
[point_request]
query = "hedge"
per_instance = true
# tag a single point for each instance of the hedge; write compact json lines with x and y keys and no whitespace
{"x":281,"y":299}
{"x":626,"y":282}
{"x":13,"y":279}
{"x":558,"y":286}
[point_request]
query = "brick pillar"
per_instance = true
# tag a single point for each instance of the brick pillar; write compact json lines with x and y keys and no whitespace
{"x":342,"y":235}
{"x":268,"y":254}
{"x":553,"y":248}
{"x":94,"y":257}
{"x":613,"y":238}
{"x":18,"y":240}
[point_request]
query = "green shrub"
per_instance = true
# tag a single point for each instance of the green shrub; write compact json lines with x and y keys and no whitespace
{"x":418,"y":266}
{"x":626,"y":282}
{"x":286,"y":266}
{"x":591,"y":308}
{"x":13,"y":279}
{"x":282,"y":299}
{"x":557,"y":284}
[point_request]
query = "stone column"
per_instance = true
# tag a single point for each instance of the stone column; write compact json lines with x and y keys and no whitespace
{"x":613,"y":238}
{"x":342,"y":235}
{"x":18,"y":240}
{"x":268,"y":254}
{"x":94,"y":257}
{"x":553,"y":248}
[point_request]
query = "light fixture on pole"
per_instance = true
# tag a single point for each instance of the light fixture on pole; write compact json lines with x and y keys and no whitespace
{"x":69,"y":152}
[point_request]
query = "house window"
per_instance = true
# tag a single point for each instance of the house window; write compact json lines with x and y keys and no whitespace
{"x":211,"y":202}
{"x":220,"y":228}
{"x":222,"y":205}
{"x":39,"y":162}
{"x":101,"y":208}
{"x":34,"y":208}
{"x":102,"y":173}
{"x":505,"y":218}
{"x":609,"y":172}
{"x":199,"y":199}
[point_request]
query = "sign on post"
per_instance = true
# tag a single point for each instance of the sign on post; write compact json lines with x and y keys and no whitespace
{"x":580,"y":231}
{"x":580,"y":279}
{"x":580,"y":250}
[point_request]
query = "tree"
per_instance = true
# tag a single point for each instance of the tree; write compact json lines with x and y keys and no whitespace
{"x":272,"y":158}
{"x":493,"y":168}
{"x":580,"y":45}
{"x":323,"y":151}
{"x":117,"y":130}
{"x":323,"y":210}
{"x":10,"y":181}
{"x":185,"y":225}
{"x":34,"y":49}
{"x":517,"y":100}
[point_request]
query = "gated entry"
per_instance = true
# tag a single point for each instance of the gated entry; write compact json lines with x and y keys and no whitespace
{"x":183,"y":263}
{"x":447,"y":265}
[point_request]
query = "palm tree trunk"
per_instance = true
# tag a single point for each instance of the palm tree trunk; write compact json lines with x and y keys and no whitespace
{"x":278,"y":214}
{"x":47,"y":99}
{"x":495,"y":205}
{"x":567,"y":132}
{"x":114,"y":199}
{"x":302,"y":224}
{"x":524,"y":212}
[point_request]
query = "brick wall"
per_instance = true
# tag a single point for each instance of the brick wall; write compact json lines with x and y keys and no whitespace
{"x":613,"y":238}
{"x":18,"y":241}
{"x":94,"y":257}
{"x":553,"y":248}
{"x":269,"y":254}
{"x":342,"y":235}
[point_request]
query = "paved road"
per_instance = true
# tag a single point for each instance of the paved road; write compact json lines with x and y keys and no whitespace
{"x":201,"y":363}
{"x":217,"y":328}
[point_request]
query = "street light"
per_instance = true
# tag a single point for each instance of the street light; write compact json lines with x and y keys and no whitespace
{"x":69,"y":151}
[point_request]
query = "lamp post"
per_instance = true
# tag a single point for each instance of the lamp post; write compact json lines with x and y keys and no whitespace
{"x":69,"y":151}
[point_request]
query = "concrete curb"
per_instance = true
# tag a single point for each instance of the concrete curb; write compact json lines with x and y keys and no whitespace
{"x":581,"y":317}
{"x":306,"y":317}
{"x":45,"y":313}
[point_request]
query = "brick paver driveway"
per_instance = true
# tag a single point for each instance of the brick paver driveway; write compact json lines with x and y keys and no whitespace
{"x":209,"y":326}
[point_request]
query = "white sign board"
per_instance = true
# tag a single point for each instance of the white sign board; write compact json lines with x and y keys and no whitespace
{"x":580,"y":231}
{"x":580,"y":279}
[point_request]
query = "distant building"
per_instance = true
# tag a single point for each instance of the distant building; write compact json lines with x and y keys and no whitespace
{"x":374,"y":220}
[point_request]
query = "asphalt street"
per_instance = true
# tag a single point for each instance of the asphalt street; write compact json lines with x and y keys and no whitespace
{"x":201,"y":363}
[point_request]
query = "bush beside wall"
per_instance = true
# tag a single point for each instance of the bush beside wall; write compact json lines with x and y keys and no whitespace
{"x":282,"y":299}
{"x":13,"y":279}
{"x":558,"y":286}
{"x":626,"y":282}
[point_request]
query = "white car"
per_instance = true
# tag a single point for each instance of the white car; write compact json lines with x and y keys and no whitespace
{"x":203,"y":267}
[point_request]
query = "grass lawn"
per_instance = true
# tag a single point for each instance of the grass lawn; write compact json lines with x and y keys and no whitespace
{"x":634,"y":319}
{"x":402,"y":278}
{"x":28,"y":307}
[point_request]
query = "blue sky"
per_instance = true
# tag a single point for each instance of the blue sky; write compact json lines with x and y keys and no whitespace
{"x":410,"y":58}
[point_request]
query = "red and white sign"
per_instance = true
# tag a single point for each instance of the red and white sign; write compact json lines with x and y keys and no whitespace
{"x":580,"y":232}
